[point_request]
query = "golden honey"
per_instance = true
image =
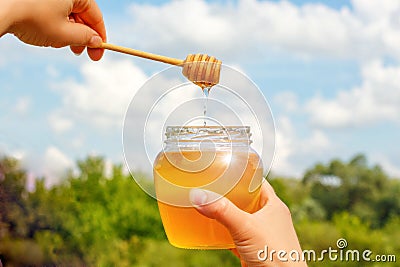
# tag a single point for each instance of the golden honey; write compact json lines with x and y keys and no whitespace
{"x":224,"y":164}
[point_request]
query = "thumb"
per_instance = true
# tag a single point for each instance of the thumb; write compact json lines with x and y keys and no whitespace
{"x":79,"y":34}
{"x":215,"y":206}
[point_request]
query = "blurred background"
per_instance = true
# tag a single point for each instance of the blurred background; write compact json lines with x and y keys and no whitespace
{"x":329,"y":70}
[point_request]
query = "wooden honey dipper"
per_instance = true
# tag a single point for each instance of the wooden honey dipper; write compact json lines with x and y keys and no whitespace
{"x":200,"y":69}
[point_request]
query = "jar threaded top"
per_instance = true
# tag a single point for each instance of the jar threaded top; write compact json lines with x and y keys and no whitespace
{"x":217,"y":134}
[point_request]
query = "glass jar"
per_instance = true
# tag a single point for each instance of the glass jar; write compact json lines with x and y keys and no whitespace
{"x":215,"y":158}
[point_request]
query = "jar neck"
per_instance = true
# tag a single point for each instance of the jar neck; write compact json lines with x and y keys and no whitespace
{"x":191,"y":136}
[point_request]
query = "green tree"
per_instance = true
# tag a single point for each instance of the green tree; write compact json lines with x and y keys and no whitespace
{"x":16,"y":249}
{"x":96,"y":220}
{"x":355,"y":187}
{"x":12,"y":198}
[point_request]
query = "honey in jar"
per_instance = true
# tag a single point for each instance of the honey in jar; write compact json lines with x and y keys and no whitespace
{"x":219,"y":159}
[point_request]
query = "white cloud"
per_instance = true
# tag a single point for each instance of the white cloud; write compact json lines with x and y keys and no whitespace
{"x":22,"y":105}
{"x":52,"y":165}
{"x":288,"y":101}
{"x":388,"y":164}
{"x":55,"y":163}
{"x":52,"y":71}
{"x":316,"y":143}
{"x":108,"y":168}
{"x":59,"y":123}
{"x":78,"y":141}
{"x":367,"y":105}
{"x":374,"y":10}
{"x":101,"y":98}
{"x":102,"y":95}
{"x":179,"y":24}
{"x":14,"y":51}
{"x":376,"y":99}
{"x":11,"y":146}
{"x":249,"y":26}
{"x":284,"y":147}
{"x":8,"y":50}
{"x":293,"y":151}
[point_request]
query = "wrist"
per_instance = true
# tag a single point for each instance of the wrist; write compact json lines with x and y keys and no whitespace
{"x":12,"y":12}
{"x":6,"y":16}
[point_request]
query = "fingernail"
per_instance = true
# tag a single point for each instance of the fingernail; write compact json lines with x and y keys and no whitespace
{"x":77,"y":54}
{"x":198,"y":197}
{"x":95,"y":41}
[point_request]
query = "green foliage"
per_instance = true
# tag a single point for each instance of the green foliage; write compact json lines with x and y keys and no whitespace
{"x":90,"y":219}
{"x":160,"y":252}
{"x":355,"y":187}
{"x":359,"y":236}
{"x":96,"y":220}
{"x":290,"y":190}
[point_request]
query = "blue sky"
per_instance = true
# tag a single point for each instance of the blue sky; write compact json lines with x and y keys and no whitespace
{"x":329,"y":70}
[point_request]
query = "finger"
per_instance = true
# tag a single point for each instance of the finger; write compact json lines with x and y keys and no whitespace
{"x":215,"y":206}
{"x":95,"y":53}
{"x":77,"y":50}
{"x":267,"y":195}
{"x":81,"y":35}
{"x":89,"y":12}
{"x":77,"y":34}
{"x":270,"y":190}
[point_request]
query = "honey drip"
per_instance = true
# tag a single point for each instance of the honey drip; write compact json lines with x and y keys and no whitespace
{"x":206,"y":92}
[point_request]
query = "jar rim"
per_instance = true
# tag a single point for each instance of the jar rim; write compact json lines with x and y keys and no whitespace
{"x":224,"y":134}
{"x":209,"y":127}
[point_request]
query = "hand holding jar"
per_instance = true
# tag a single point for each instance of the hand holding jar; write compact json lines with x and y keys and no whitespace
{"x":255,"y":235}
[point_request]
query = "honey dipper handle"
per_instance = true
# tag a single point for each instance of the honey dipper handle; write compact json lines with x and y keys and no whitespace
{"x":138,"y":53}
